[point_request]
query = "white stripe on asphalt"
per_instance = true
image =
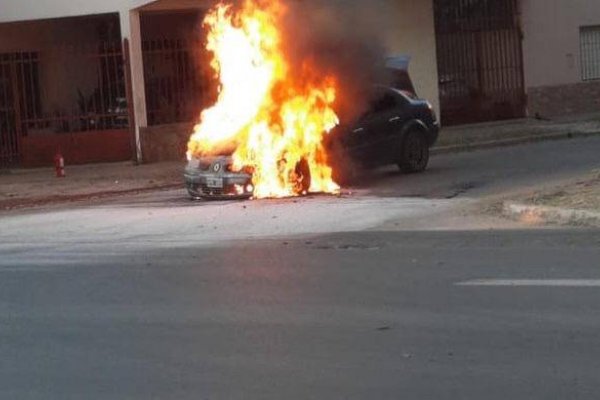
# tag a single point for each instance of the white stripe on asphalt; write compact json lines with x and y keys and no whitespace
{"x":583,"y":283}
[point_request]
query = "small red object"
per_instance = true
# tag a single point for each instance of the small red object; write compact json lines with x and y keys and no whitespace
{"x":59,"y":165}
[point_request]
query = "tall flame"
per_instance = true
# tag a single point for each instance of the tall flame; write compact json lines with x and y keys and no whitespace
{"x":270,"y":118}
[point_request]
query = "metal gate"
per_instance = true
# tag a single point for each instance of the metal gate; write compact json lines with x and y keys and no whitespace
{"x":81,"y":111}
{"x":19,"y":84}
{"x":480,"y":60}
{"x":9,"y":139}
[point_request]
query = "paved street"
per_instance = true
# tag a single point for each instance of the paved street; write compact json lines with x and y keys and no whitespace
{"x":401,"y":288}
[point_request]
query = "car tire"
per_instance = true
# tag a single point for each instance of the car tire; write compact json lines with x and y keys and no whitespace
{"x":194,"y":194}
{"x":414,"y":153}
{"x":304,"y":177}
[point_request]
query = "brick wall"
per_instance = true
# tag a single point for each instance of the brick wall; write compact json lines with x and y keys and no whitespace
{"x":165,"y":142}
{"x":77,"y":147}
{"x":551,"y":101}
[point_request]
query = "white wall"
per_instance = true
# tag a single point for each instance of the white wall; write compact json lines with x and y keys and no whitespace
{"x":551,"y":42}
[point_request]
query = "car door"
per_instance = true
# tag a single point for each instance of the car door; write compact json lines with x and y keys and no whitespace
{"x":368,"y":141}
{"x":396,"y":118}
{"x":383,"y":125}
{"x":357,"y":142}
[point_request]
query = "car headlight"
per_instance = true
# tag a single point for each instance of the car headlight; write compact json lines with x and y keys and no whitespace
{"x":239,"y":189}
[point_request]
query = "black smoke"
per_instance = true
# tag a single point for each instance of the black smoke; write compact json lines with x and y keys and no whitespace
{"x":341,"y":39}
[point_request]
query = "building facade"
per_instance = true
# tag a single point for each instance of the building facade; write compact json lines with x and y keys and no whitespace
{"x":501,"y":59}
{"x":68,"y":83}
{"x":561,"y":48}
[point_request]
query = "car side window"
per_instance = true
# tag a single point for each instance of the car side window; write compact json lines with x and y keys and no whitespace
{"x":383,"y":102}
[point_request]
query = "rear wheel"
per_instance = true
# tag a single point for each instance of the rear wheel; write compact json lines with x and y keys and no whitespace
{"x":414,"y":154}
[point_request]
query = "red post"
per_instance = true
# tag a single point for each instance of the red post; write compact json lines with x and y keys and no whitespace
{"x":59,"y":165}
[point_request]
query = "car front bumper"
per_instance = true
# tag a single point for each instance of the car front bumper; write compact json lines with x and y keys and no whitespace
{"x":222,"y":186}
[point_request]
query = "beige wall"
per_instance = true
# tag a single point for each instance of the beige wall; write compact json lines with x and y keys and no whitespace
{"x":407,"y":28}
{"x":415,"y":35}
{"x":551,"y":42}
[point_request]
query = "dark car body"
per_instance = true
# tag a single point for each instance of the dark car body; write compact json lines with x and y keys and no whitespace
{"x":379,"y":137}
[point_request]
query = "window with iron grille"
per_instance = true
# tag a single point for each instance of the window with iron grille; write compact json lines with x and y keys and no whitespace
{"x":20,"y":72}
{"x":20,"y":101}
{"x":590,"y":52}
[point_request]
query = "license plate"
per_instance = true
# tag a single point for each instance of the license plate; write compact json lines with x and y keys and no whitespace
{"x":214,"y":183}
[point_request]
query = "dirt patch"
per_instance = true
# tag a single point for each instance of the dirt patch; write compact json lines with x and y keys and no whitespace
{"x":582,"y":195}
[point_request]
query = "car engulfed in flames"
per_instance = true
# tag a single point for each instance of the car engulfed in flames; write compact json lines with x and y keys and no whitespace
{"x":271,"y":116}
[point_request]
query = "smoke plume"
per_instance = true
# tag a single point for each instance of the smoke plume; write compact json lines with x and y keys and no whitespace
{"x":340,"y":38}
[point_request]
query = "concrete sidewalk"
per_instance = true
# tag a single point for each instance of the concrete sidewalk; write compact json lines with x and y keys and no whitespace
{"x":519,"y":131}
{"x":31,"y":187}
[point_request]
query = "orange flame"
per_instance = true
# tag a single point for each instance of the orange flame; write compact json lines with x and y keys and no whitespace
{"x":270,"y":119}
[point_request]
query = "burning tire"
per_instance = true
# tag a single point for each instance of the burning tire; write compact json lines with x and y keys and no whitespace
{"x":414,"y":156}
{"x":303,"y":177}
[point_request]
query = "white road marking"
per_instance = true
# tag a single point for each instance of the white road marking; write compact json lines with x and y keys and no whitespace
{"x":575,"y":283}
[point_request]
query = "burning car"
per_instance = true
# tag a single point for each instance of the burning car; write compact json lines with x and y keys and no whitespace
{"x":274,"y":130}
{"x":397,"y":128}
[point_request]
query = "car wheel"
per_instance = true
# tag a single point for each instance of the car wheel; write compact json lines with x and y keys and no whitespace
{"x":303,"y":177}
{"x":414,"y":155}
{"x":194,"y":195}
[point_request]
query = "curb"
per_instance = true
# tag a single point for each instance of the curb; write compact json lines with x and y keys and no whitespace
{"x":15,"y":204}
{"x":551,"y":215}
{"x":511,"y":142}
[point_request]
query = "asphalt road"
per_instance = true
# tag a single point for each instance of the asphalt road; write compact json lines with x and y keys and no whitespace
{"x":399,"y":290}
